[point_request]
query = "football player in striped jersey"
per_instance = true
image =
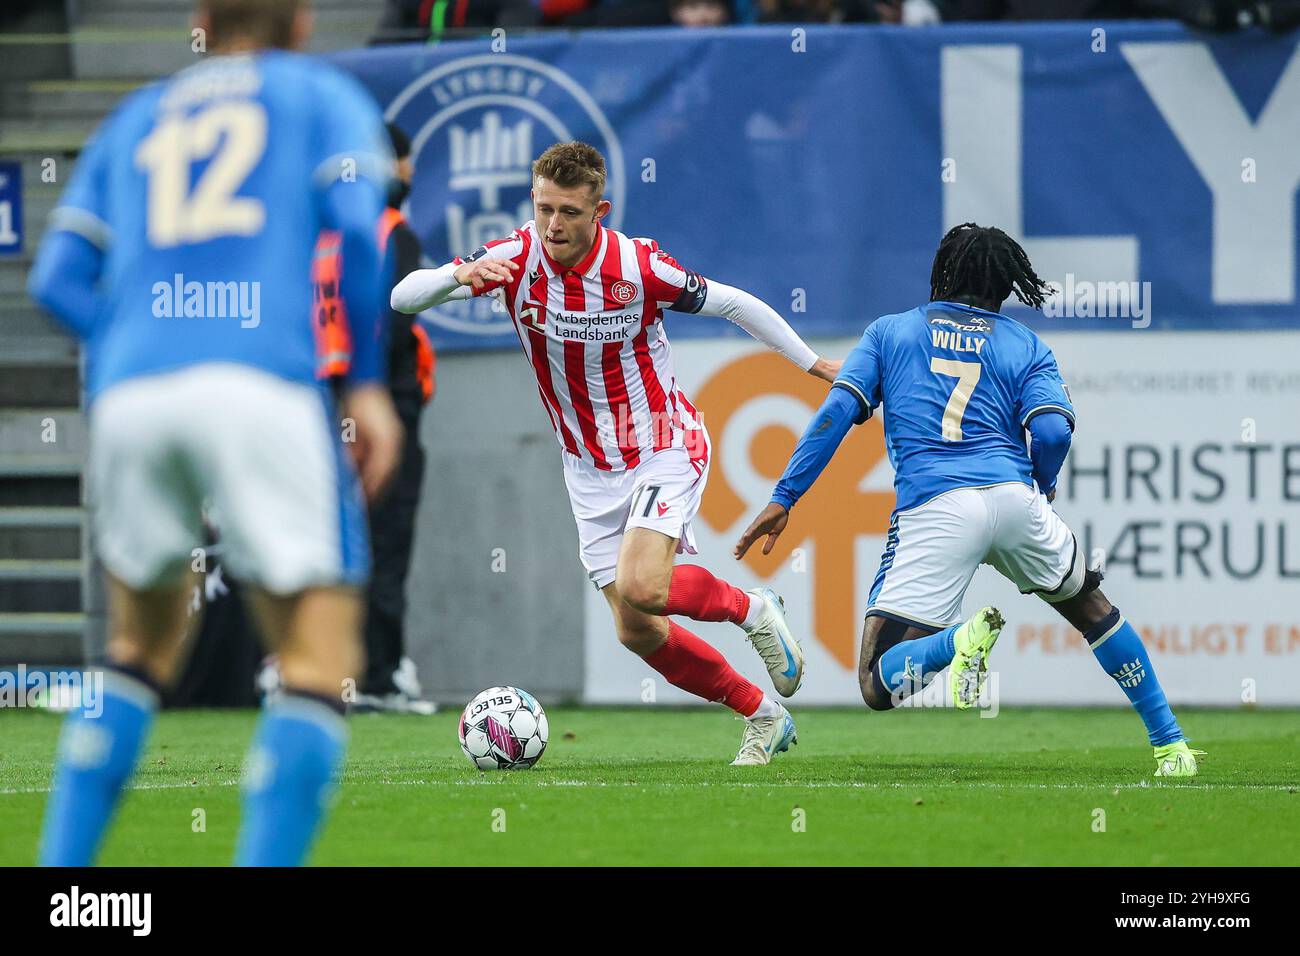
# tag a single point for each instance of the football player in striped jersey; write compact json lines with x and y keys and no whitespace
{"x":587,"y":304}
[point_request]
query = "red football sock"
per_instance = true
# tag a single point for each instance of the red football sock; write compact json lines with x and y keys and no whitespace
{"x":695,"y":593}
{"x":696,"y":667}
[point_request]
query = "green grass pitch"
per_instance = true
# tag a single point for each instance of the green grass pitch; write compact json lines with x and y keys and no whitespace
{"x":652,"y":787}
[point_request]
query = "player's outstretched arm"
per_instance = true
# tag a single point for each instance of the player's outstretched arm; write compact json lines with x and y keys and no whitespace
{"x":838,"y":413}
{"x":765,"y":324}
{"x":426,"y":288}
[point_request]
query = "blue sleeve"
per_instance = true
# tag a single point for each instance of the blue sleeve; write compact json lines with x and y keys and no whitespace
{"x":65,"y":281}
{"x":83,"y":206}
{"x":65,"y":276}
{"x":1049,"y":441}
{"x":860,"y":375}
{"x":832,"y":422}
{"x":351,"y":141}
{"x":353,"y":163}
{"x":1042,"y":389}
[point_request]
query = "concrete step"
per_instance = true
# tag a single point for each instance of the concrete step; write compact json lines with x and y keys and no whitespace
{"x":39,"y":200}
{"x":110,"y":53}
{"x":95,"y":7}
{"x":52,"y":517}
{"x":40,"y":569}
{"x":40,"y":491}
{"x":41,"y":639}
{"x":34,"y":166}
{"x":69,"y":622}
{"x":39,"y":543}
{"x":52,"y":382}
{"x":84,"y":99}
{"x":13,"y":272}
{"x":24,"y":326}
{"x":328,"y":20}
{"x":55,"y":349}
{"x":43,"y":432}
{"x":126,"y":41}
{"x":46,"y":586}
{"x":40,"y":143}
{"x":40,"y":49}
{"x":46,"y":133}
{"x":54,"y":464}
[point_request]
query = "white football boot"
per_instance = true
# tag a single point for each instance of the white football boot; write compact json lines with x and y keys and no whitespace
{"x":765,"y":737}
{"x":771,"y":637}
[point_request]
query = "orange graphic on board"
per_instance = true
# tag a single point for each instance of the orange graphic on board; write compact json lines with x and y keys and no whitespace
{"x":831,"y":517}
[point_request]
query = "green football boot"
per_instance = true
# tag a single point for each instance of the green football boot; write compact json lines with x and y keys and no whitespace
{"x":1177,"y":760}
{"x":972,"y":643}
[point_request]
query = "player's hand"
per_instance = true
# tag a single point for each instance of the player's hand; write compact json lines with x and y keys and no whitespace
{"x":377,"y":444}
{"x":826,"y":369}
{"x":770,"y":522}
{"x":1051,"y":495}
{"x":486,"y":272}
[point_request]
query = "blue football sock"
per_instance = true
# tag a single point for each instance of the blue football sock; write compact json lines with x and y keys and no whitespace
{"x":98,"y":750}
{"x":288,"y":779}
{"x":1120,"y":651}
{"x":916,"y":662}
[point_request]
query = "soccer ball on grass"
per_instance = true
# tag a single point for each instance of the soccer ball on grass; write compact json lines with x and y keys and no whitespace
{"x":503,"y":728}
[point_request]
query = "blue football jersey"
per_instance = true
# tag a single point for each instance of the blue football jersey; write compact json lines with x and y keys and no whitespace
{"x":959,"y":385}
{"x":205,"y":193}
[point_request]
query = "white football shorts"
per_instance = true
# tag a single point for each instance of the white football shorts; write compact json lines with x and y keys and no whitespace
{"x":259,"y":454}
{"x":662,"y":493}
{"x":932,"y":552}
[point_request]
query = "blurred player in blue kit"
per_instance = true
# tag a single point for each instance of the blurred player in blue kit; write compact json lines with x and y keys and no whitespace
{"x":961,"y":384}
{"x":181,"y":254}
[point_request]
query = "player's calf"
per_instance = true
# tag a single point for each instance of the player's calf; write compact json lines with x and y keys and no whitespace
{"x":101,"y":742}
{"x":301,"y":737}
{"x":98,"y":751}
{"x":1118,"y":648}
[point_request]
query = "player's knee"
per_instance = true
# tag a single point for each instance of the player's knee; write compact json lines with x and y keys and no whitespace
{"x":872,"y":694}
{"x":639,"y":637}
{"x":160,"y":663}
{"x":644,"y":593}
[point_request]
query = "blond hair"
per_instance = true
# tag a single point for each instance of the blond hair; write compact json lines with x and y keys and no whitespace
{"x":572,"y":164}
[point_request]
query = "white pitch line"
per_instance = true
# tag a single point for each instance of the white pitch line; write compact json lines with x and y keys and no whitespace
{"x":744,"y":785}
{"x":849,"y":785}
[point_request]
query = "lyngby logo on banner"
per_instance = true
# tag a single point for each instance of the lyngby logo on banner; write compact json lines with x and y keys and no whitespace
{"x":476,"y":125}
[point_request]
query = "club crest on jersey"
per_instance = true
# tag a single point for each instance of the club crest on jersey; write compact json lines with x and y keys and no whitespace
{"x":481,"y":121}
{"x":623,"y":291}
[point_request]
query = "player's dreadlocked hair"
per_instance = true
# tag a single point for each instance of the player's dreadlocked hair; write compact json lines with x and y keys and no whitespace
{"x":983,"y":262}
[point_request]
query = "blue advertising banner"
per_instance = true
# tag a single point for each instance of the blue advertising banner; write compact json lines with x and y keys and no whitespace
{"x":11,"y":208}
{"x":1150,"y":171}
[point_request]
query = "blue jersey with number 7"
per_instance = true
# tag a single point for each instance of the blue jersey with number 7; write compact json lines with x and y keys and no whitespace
{"x":959,"y":386}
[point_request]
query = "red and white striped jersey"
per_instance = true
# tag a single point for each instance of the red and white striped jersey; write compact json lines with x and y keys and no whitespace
{"x":595,"y":338}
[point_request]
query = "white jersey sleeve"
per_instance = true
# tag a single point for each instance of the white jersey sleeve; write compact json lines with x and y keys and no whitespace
{"x":426,"y":288}
{"x":675,"y":287}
